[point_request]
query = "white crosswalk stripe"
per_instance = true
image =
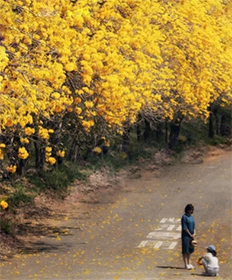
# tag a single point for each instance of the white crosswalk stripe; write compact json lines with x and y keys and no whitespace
{"x":172,"y":246}
{"x":171,"y":227}
{"x":158,"y":244}
{"x":164,"y":235}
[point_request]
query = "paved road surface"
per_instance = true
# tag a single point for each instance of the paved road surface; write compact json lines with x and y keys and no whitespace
{"x":137,"y":236}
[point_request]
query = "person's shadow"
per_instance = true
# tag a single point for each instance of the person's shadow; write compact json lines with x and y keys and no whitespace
{"x":199,"y":274}
{"x":177,"y":267}
{"x":169,"y":267}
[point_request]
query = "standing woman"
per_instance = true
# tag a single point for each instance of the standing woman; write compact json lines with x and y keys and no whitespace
{"x":188,"y":233}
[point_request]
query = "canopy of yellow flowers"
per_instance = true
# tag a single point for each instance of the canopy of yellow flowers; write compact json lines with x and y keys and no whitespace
{"x":125,"y":56}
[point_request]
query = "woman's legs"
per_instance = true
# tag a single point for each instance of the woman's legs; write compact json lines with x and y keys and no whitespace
{"x":186,"y":259}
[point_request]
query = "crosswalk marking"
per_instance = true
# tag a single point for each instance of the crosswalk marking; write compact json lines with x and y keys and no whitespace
{"x":171,"y":227}
{"x":169,"y":220}
{"x":158,"y":244}
{"x":168,"y":227}
{"x":164,"y":235}
{"x":179,"y":228}
{"x":142,"y":244}
{"x":172,"y":246}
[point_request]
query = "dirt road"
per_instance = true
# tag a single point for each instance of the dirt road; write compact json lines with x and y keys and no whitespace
{"x":136,"y":233}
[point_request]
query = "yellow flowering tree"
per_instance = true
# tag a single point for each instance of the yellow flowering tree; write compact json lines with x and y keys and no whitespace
{"x":197,"y":51}
{"x":73,"y":71}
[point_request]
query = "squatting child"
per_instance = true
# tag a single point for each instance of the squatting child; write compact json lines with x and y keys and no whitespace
{"x":210,"y":262}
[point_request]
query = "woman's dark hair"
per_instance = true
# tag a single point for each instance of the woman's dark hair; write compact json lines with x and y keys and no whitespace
{"x":188,"y":207}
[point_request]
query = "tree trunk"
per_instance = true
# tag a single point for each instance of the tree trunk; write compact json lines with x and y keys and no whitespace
{"x":126,"y":140}
{"x":73,"y":152}
{"x":139,"y":134}
{"x":20,"y":169}
{"x":138,"y":129}
{"x":159,"y":133}
{"x":223,"y":126}
{"x":174,"y":133}
{"x":166,"y":132}
{"x":147,"y":131}
{"x":215,"y":113}
{"x":211,"y":130}
{"x":173,"y":136}
{"x":39,"y":156}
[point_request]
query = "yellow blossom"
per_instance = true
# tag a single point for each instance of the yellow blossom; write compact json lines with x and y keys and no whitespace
{"x":88,"y":104}
{"x":9,"y":123}
{"x":107,"y":143}
{"x":52,"y":160}
{"x":78,"y":110}
{"x":22,"y":153}
{"x":70,"y":67}
{"x":61,"y":153}
{"x":48,"y":149}
{"x":28,"y":131}
{"x":86,"y":56}
{"x":2,"y":154}
{"x":3,"y":58}
{"x":56,"y":95}
{"x":4,"y":204}
{"x":43,"y":133}
{"x":24,"y":140}
{"x":11,"y":168}
{"x":88,"y":124}
{"x":97,"y":150}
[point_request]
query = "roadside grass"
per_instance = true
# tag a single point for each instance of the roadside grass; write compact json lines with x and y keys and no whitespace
{"x":117,"y":158}
{"x":17,"y":196}
{"x":7,"y":225}
{"x":218,"y":140}
{"x":20,"y":196}
{"x":57,"y":178}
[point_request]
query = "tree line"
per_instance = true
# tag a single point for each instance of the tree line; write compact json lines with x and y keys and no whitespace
{"x":75,"y":75}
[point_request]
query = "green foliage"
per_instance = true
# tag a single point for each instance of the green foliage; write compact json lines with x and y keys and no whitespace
{"x":112,"y":160}
{"x":195,"y":131}
{"x":7,"y":226}
{"x":58,"y":178}
{"x":20,"y":196}
{"x":217,"y":140}
{"x":119,"y":157}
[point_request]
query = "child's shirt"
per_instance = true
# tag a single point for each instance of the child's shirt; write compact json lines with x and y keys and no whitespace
{"x":212,"y":260}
